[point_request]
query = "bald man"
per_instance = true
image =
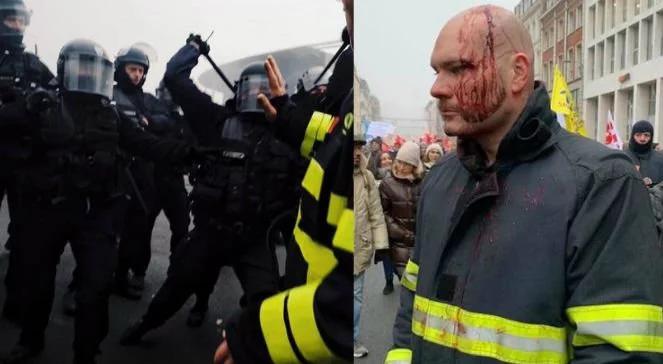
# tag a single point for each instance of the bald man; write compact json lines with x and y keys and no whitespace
{"x":532,"y":245}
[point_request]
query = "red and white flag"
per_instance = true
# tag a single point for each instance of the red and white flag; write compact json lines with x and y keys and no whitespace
{"x":612,"y":139}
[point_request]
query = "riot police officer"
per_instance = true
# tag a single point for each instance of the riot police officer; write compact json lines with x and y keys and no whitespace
{"x":131,"y":67}
{"x":20,"y":71}
{"x":233,"y":198}
{"x":166,"y":121}
{"x":72,"y":190}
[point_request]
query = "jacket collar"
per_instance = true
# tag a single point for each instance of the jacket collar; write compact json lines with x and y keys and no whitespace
{"x":532,"y":134}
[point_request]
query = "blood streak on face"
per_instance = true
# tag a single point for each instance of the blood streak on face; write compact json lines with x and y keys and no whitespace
{"x":479,"y":91}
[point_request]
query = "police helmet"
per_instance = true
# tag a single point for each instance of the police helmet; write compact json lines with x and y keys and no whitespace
{"x":252,"y":82}
{"x":307,"y":82}
{"x":16,"y":10}
{"x":84,"y":66}
{"x":130,"y":55}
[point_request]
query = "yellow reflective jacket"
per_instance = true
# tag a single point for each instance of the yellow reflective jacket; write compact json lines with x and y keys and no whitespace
{"x":549,"y":256}
{"x":310,"y":322}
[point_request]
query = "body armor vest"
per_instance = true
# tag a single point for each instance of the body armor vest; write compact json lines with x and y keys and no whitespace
{"x":80,"y":148}
{"x":127,"y":107}
{"x":19,"y":74}
{"x":253,"y":177}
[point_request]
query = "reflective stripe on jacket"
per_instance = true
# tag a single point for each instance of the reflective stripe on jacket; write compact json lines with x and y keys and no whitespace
{"x":549,"y":256}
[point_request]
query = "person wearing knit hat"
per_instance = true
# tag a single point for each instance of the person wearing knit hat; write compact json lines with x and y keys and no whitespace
{"x":399,"y":193}
{"x":432,"y":155}
{"x":648,"y":161}
{"x":408,"y":154}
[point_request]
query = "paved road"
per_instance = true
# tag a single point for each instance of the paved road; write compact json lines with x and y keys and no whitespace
{"x":173,"y":343}
{"x":377,"y":316}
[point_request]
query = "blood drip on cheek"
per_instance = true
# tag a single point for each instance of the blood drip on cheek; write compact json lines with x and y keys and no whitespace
{"x":479,"y":92}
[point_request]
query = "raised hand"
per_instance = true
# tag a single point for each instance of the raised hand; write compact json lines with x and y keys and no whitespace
{"x":276,"y":88}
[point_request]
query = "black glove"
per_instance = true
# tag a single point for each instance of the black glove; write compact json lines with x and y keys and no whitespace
{"x":39,"y":101}
{"x":203,"y":47}
{"x":200,"y":155}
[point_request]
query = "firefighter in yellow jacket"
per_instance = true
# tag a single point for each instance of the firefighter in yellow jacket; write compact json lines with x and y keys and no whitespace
{"x":533,"y":244}
{"x":311,"y":322}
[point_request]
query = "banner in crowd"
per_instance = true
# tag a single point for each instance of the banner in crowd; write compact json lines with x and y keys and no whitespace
{"x":379,"y":129}
{"x":562,"y":103}
{"x":612,"y":139}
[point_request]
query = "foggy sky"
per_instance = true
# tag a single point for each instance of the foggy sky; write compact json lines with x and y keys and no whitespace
{"x":394,"y":40}
{"x":242,"y":27}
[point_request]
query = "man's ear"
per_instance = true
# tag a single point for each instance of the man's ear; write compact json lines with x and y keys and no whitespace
{"x":522,"y":72}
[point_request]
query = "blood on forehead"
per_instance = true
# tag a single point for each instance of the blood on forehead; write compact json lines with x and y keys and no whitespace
{"x":479,"y":92}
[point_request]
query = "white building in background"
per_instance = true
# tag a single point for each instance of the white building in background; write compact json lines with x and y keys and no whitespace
{"x":623,"y":68}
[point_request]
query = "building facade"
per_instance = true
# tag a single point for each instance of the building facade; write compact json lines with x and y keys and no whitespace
{"x":561,"y":44}
{"x":624,"y":65}
{"x":529,"y":12}
{"x":367,"y":106}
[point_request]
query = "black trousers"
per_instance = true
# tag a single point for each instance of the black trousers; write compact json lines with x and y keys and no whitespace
{"x":197,"y":261}
{"x":135,"y":247}
{"x":9,"y":186}
{"x":91,"y":227}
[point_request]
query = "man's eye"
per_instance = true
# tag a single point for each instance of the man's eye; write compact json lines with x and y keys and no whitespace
{"x":464,"y":66}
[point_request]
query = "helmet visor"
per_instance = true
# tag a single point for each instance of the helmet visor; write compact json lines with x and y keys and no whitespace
{"x":88,"y":74}
{"x":247,"y":94}
{"x":15,"y":18}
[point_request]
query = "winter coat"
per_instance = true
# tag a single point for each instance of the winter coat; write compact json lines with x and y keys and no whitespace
{"x":399,"y":198}
{"x":548,"y":256}
{"x":651,"y":164}
{"x":370,"y":227}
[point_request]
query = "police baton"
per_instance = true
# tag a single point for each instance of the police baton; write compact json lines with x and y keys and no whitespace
{"x":136,"y":190}
{"x":218,"y":70}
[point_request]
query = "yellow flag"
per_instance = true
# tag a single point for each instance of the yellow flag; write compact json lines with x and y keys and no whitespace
{"x":560,"y":94}
{"x":561,"y":102}
{"x":574,"y":124}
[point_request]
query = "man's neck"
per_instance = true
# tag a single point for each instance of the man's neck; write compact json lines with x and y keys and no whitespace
{"x":490,"y":143}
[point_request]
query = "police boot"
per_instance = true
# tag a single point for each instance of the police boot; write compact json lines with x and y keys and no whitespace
{"x":197,"y":315}
{"x":133,"y":334}
{"x":69,"y":303}
{"x":21,"y":354}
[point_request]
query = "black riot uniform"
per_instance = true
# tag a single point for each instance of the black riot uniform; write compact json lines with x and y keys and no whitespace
{"x":233,"y":199}
{"x":137,"y":106}
{"x":72,"y":188}
{"x":166,"y":121}
{"x":20,"y":72}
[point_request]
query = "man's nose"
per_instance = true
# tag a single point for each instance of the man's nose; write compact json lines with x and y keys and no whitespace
{"x":15,"y":24}
{"x":442,"y":87}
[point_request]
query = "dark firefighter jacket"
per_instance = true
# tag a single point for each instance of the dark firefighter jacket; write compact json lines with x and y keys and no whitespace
{"x":549,"y":256}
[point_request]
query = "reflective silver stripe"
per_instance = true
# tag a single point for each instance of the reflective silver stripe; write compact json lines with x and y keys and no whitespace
{"x":625,"y":327}
{"x":410,"y":278}
{"x":490,"y":335}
